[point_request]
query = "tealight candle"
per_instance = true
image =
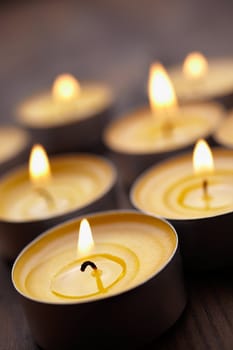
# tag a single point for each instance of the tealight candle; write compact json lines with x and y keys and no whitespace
{"x":223,"y":136}
{"x":199,"y":79}
{"x":70,"y":184}
{"x":148,"y":135}
{"x":70,"y":117}
{"x":199,"y":202}
{"x":115,"y":284}
{"x":15,"y":144}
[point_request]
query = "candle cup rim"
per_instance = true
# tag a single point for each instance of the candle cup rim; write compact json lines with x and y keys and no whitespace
{"x":219,"y":140}
{"x":74,"y":210}
{"x":174,"y":69}
{"x":178,"y":148}
{"x":85,"y":116}
{"x":161,"y":164}
{"x":27,"y":140}
{"x":89,"y":215}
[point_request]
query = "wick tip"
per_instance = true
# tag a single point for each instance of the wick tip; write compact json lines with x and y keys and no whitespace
{"x":88,"y":263}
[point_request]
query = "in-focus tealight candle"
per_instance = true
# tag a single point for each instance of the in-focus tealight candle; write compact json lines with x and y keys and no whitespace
{"x":66,"y":186}
{"x":199,"y":79}
{"x":125,"y":265}
{"x":147,"y":135}
{"x":70,"y":117}
{"x":199,"y":203}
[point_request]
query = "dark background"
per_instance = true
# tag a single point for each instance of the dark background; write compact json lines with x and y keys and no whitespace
{"x":114,"y":41}
{"x":110,"y":40}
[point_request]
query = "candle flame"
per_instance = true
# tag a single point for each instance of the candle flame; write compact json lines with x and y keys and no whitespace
{"x":203,"y":162}
{"x":85,"y":238}
{"x":160,"y":89}
{"x":195,"y":65}
{"x":65,"y":88}
{"x":39,"y":167}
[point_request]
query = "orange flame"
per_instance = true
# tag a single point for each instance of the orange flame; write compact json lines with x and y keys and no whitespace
{"x":195,"y":65}
{"x":65,"y":88}
{"x":203,"y":162}
{"x":160,"y":89}
{"x":85,"y":238}
{"x":39,"y":167}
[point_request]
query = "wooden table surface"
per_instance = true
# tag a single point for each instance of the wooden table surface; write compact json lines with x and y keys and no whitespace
{"x":114,"y":41}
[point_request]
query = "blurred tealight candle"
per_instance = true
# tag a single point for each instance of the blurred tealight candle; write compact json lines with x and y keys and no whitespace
{"x":223,"y":136}
{"x":15,"y":144}
{"x":52,"y":191}
{"x":199,"y":79}
{"x":149,"y":134}
{"x":69,"y":117}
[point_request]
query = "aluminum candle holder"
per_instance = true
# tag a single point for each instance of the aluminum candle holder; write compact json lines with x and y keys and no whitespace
{"x":135,"y":313}
{"x":139,"y":139}
{"x":81,"y":183}
{"x":80,"y":135}
{"x":201,"y":80}
{"x":68,"y":126}
{"x":203,"y":221}
{"x":207,"y":243}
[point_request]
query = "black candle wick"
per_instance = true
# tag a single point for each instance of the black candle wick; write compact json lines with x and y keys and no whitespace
{"x":88,"y":263}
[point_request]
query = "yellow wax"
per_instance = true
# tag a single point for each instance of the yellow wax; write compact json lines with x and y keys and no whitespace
{"x":77,"y":180}
{"x":140,"y":246}
{"x":224,"y":134}
{"x":142,"y":132}
{"x":173,"y":191}
{"x":110,"y":269}
{"x":43,"y":110}
{"x":13,"y":141}
{"x":218,"y":81}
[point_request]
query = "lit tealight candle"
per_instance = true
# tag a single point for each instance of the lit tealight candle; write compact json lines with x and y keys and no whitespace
{"x":147,"y":135}
{"x":69,"y":117}
{"x":51,"y":192}
{"x":98,"y":286}
{"x":201,"y":79}
{"x":197,"y":199}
